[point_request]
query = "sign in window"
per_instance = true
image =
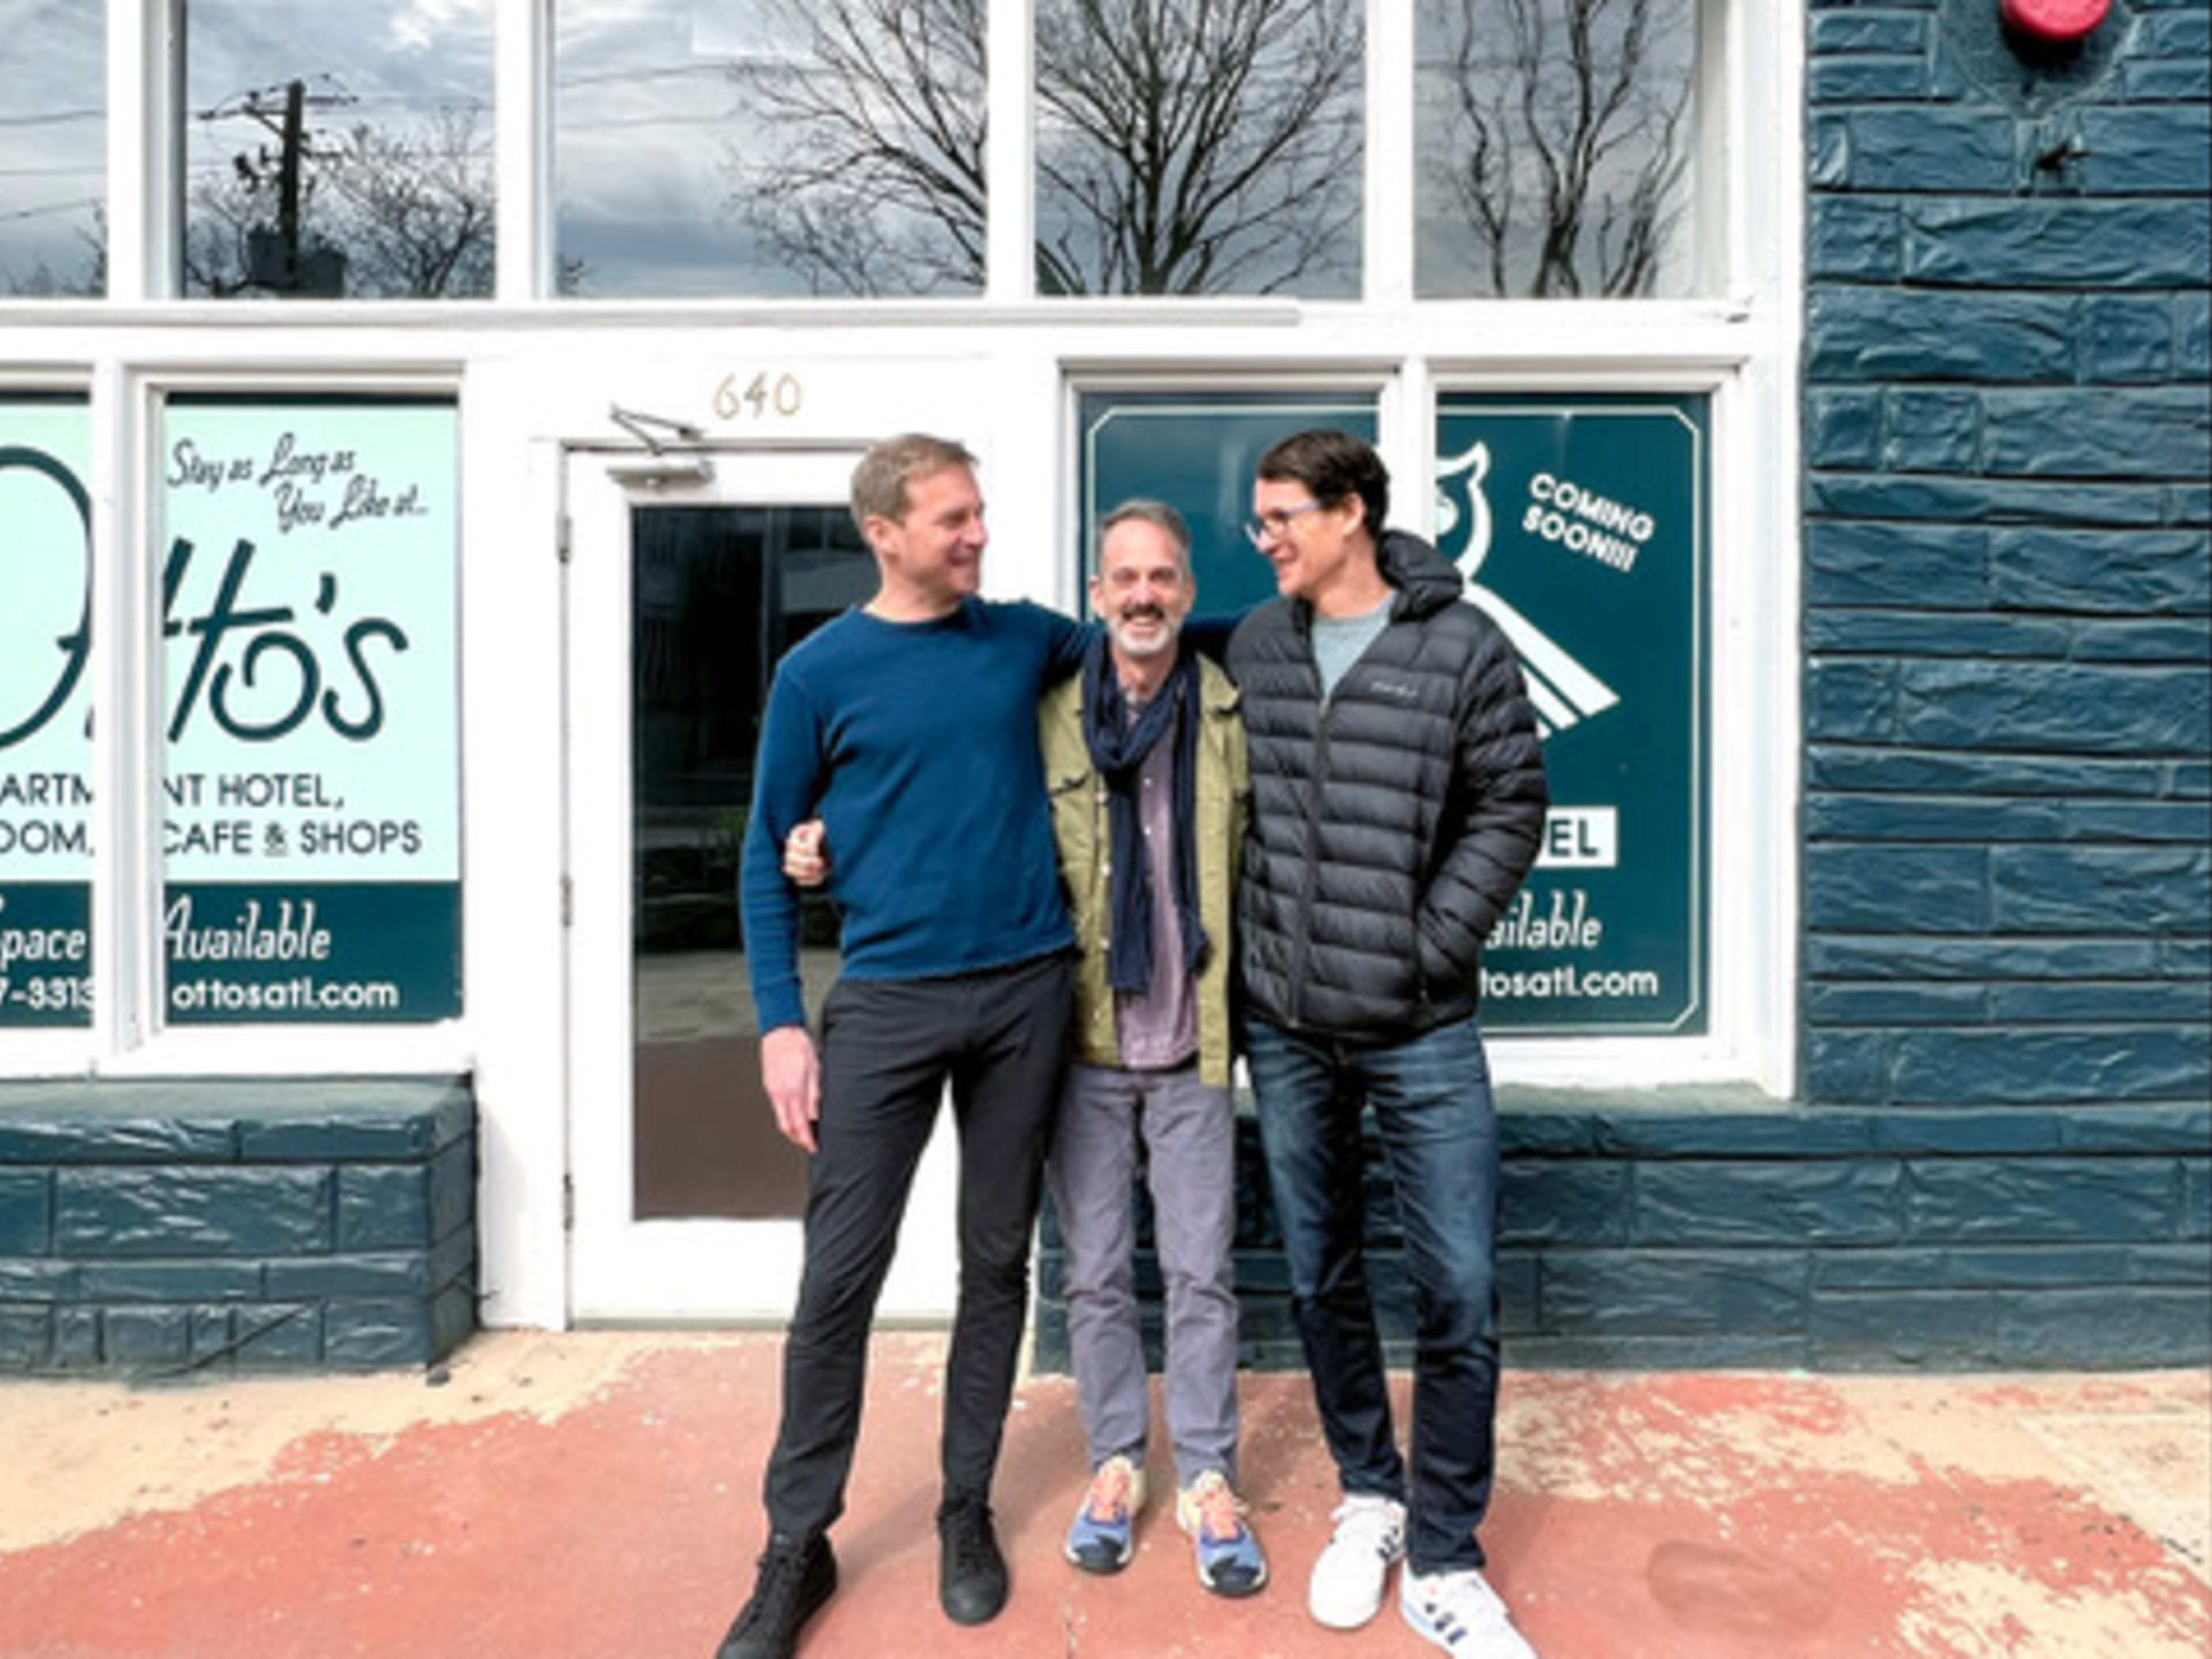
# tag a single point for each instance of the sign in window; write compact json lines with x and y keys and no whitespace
{"x":1578,"y":523}
{"x":45,"y":714}
{"x":310,"y":820}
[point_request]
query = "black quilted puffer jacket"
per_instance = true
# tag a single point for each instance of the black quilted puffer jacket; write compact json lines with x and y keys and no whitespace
{"x":1391,"y":827}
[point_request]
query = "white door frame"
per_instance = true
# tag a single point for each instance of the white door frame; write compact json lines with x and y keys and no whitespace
{"x":623,"y":1269}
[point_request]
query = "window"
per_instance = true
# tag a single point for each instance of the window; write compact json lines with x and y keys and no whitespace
{"x":46,"y":713}
{"x":54,"y":165}
{"x":1578,"y":522}
{"x":1199,"y":147}
{"x":1552,"y":139}
{"x":311,"y":814}
{"x":828,"y":147}
{"x":339,"y":151}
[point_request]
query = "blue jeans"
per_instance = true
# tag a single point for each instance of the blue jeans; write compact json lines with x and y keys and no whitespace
{"x":1439,"y":1134}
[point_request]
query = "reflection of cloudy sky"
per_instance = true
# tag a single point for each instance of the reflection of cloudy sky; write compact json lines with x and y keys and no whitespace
{"x":400,"y":61}
{"x":646,"y":114}
{"x":53,"y":166}
{"x":393,"y":66}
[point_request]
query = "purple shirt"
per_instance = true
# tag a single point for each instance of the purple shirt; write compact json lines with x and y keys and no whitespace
{"x":1158,"y":1027}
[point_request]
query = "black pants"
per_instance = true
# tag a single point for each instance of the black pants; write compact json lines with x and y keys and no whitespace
{"x":888,"y":1049}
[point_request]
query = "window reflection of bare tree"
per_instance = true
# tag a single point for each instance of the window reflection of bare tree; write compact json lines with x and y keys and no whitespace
{"x":88,"y":281}
{"x":417,"y":213}
{"x":1183,"y":146}
{"x":1566,"y":158}
{"x":863,"y":165}
{"x":412,"y":211}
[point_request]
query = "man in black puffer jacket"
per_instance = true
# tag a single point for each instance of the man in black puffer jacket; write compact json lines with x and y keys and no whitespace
{"x":1398,"y":800}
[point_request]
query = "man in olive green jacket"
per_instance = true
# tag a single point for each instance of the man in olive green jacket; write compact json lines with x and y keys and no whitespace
{"x":1144,"y":753}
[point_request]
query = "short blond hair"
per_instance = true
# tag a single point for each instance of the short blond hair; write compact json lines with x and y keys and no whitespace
{"x":879,"y":481}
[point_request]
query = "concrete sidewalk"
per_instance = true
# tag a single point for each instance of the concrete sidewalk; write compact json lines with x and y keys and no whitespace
{"x":595,"y":1494}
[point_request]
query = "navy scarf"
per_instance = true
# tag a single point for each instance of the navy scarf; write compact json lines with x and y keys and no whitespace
{"x":1118,"y":747}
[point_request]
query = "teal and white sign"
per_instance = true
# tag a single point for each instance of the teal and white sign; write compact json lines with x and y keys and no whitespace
{"x":1579,"y":524}
{"x":45,"y":714}
{"x":311,"y":827}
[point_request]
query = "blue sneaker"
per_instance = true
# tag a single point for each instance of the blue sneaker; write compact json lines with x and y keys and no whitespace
{"x":1100,"y":1538}
{"x":1230,"y":1559}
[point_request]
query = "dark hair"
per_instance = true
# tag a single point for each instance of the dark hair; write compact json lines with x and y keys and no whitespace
{"x":1333,"y":464}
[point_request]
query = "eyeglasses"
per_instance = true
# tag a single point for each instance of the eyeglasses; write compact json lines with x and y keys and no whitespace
{"x":1268,"y":527}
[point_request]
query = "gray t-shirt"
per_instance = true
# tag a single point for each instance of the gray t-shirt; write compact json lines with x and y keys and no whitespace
{"x":1338,"y":641}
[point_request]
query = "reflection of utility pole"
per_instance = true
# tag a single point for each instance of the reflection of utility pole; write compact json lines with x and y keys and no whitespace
{"x":275,"y":259}
{"x":288,"y":173}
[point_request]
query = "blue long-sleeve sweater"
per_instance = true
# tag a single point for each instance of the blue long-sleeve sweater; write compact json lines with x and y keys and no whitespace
{"x":915,"y":743}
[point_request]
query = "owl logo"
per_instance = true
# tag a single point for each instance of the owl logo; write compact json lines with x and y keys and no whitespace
{"x":1563,"y":690}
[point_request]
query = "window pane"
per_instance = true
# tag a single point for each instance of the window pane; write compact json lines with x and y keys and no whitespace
{"x":1198,"y":146}
{"x":46,"y":713}
{"x":311,"y":823}
{"x":339,"y":151}
{"x":1578,"y":521}
{"x":786,"y":147}
{"x":53,"y":138}
{"x":1554,"y":139}
{"x":719,"y":594}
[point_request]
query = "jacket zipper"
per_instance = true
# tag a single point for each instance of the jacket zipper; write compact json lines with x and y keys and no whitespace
{"x":1309,"y":865}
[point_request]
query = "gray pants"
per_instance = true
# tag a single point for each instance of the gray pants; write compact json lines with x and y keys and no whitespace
{"x":1190,"y":1135}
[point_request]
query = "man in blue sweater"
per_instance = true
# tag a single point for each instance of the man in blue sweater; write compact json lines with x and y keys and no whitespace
{"x":908,"y":727}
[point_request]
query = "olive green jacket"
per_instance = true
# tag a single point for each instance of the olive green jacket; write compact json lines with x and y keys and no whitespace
{"x":1079,"y":824}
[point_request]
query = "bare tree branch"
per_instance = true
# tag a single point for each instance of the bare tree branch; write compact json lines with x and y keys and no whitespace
{"x":1570,"y":177}
{"x":1190,"y":148}
{"x":862,"y":166}
{"x":1183,"y":146}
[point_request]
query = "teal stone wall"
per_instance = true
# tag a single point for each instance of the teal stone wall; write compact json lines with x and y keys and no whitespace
{"x":2008,"y":855}
{"x":170,"y":1228}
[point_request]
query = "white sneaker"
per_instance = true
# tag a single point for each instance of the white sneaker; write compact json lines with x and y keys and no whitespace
{"x":1345,"y":1589}
{"x":1462,"y":1614}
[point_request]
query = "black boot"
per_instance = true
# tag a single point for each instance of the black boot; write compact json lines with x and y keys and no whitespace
{"x":971,"y":1574}
{"x":796,"y":1576}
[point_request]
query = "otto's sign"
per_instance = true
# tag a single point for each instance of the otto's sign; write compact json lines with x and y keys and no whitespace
{"x":309,"y":668}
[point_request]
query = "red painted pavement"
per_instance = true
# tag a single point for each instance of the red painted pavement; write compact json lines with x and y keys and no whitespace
{"x":1678,"y":1516}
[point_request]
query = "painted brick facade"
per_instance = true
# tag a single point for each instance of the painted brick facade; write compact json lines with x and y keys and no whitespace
{"x":2008,"y":882}
{"x":167,"y":1228}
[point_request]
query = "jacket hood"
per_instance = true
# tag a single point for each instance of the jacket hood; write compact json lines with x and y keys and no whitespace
{"x":1427,"y":580}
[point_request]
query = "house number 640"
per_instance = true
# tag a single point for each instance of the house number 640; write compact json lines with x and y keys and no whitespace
{"x":763,"y":395}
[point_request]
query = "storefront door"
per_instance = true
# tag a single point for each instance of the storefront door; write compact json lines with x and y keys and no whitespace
{"x":688,"y":576}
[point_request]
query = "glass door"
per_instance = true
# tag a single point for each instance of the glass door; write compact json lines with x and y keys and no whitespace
{"x":689,"y":577}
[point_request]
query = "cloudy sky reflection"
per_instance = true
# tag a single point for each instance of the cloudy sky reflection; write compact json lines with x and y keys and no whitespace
{"x":647,"y":111}
{"x":394,"y":65}
{"x":53,"y":138}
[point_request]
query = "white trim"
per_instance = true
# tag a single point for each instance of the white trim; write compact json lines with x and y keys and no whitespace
{"x":1387,"y":211}
{"x":522,"y":140}
{"x":1010,"y":158}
